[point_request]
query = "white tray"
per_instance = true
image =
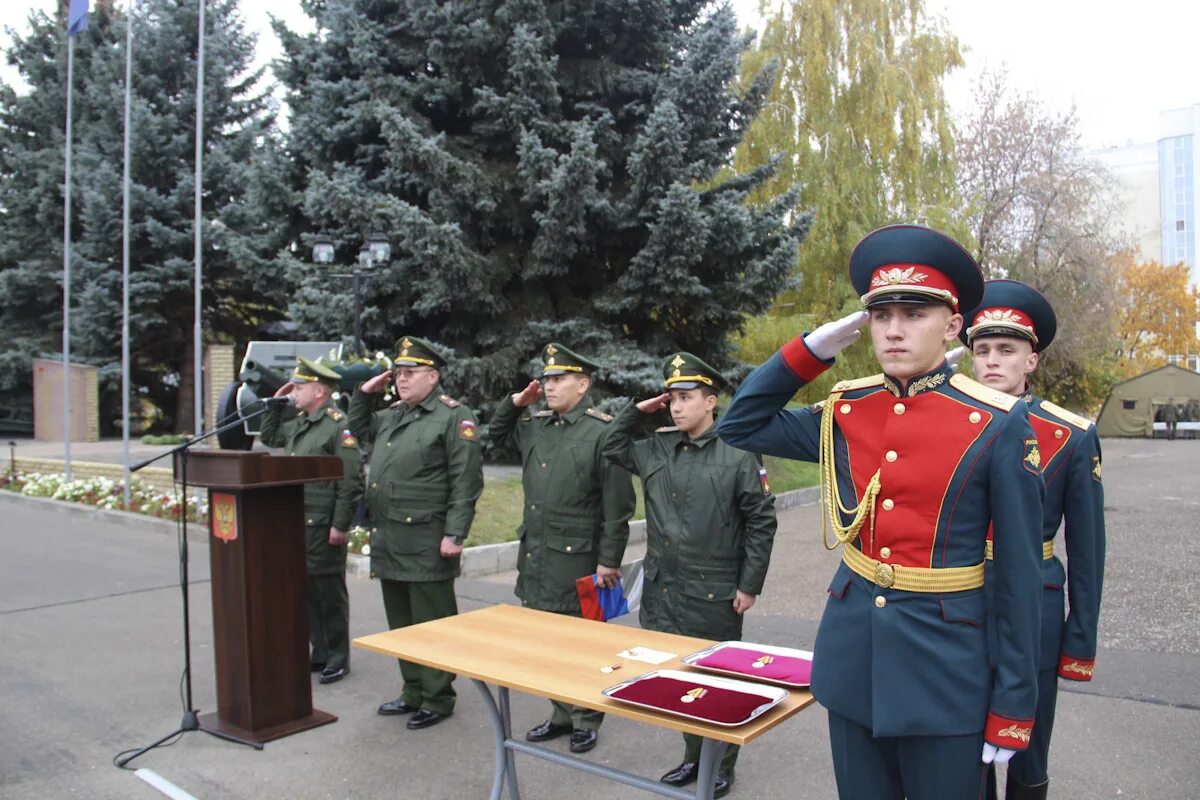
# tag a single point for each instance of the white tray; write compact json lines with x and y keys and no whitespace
{"x":771,"y":696}
{"x":693,"y":659}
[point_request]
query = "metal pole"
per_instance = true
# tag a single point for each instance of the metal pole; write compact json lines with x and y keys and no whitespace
{"x":66,"y":334}
{"x":358,"y":345}
{"x":197,"y":344}
{"x":125,"y":257}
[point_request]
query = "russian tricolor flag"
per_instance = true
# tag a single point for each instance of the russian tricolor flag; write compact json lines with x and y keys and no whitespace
{"x":601,"y":603}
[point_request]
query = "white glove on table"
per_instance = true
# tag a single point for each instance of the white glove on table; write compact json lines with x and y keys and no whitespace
{"x":998,"y":755}
{"x":834,"y":337}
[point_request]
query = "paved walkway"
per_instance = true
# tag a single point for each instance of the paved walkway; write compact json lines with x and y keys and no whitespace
{"x":91,"y":656}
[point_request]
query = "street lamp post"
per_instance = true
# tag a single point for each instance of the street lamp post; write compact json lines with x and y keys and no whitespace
{"x":374,"y":253}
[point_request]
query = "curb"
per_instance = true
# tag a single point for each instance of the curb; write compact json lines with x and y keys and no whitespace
{"x":484,"y":559}
{"x":489,"y":559}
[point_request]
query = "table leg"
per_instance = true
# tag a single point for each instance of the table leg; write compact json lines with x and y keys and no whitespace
{"x":510,"y":758}
{"x":497,"y":722}
{"x":711,"y":751}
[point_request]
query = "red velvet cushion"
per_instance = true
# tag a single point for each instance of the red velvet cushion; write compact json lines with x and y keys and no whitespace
{"x":742,"y":659}
{"x":724,"y":706}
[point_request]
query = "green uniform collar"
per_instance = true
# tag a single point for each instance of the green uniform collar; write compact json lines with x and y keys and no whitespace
{"x":578,"y":411}
{"x":427,"y":403}
{"x":700,"y":441}
{"x":320,"y":412}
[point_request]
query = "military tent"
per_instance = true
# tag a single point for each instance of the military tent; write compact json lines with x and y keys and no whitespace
{"x":1134,"y":407}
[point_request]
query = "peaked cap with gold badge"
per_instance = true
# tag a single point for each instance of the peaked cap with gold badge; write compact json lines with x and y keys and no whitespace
{"x":414,"y":352}
{"x":1012,"y":308}
{"x":686,"y":371}
{"x":560,"y":360}
{"x":309,"y":371}
{"x":914,"y":264}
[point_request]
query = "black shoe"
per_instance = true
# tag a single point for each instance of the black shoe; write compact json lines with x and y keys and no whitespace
{"x":682,"y":775}
{"x":547,"y":731}
{"x":723,"y":783}
{"x":397,"y":706}
{"x":424,"y":719}
{"x":317,"y":666}
{"x":583,"y":740}
{"x":333,"y":675}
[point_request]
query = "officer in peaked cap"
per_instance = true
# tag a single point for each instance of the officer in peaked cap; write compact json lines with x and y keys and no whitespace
{"x":1012,"y":325}
{"x":917,"y":463}
{"x":577,"y":505}
{"x":321,"y":429}
{"x":426,"y":474}
{"x":710,"y":524}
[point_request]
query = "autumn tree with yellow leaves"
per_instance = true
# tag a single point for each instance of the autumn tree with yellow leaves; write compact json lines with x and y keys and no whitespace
{"x":1158,"y":314}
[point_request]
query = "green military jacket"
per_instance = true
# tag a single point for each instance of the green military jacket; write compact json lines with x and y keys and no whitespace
{"x":326,"y":505}
{"x":710,"y":526}
{"x":577,"y":505}
{"x":425,"y":475}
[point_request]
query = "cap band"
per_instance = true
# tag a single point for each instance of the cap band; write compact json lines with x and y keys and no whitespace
{"x":561,"y":367}
{"x":1002,"y":320}
{"x":689,"y":379}
{"x":414,"y":360}
{"x":918,"y":279}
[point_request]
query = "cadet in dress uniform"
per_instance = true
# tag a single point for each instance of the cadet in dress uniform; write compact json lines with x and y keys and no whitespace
{"x":321,"y":429}
{"x":1006,"y":334}
{"x":710,"y":523}
{"x":916,"y":464}
{"x":577,"y":505}
{"x":426,"y":473}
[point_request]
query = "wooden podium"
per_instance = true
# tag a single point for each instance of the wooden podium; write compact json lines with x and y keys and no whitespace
{"x":260,"y":623}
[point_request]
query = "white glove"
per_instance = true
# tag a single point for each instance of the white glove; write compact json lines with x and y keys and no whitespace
{"x":998,"y":755}
{"x":834,"y":337}
{"x":954,"y":356}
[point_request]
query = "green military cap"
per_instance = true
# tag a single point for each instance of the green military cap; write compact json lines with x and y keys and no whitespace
{"x":414,"y":352}
{"x":560,"y":360}
{"x":308,"y":371}
{"x":686,"y":371}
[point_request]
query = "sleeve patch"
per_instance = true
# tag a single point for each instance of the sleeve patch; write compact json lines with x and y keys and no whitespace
{"x":468,"y":430}
{"x":764,"y":480}
{"x":1033,"y":457}
{"x":1096,"y":469}
{"x":348,"y":439}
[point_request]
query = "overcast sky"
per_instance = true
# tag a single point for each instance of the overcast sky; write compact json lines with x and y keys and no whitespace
{"x":1119,"y":64}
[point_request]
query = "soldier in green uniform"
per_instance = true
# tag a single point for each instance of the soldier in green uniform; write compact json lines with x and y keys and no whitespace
{"x":710,"y":524}
{"x":425,"y":475}
{"x":321,"y":430}
{"x":577,"y":505}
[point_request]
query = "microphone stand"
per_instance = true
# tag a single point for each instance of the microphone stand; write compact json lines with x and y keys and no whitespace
{"x":191,"y":716}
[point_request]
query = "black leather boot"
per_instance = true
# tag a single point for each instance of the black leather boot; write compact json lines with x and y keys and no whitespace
{"x":1015,"y":790}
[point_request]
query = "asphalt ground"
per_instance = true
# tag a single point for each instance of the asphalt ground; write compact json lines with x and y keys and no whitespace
{"x":91,"y":657}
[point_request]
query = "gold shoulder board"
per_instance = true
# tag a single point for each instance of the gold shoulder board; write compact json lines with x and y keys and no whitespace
{"x":598,"y":414}
{"x":858,"y":383}
{"x":1083,"y":423}
{"x":667,"y":429}
{"x":984,"y":394}
{"x":450,"y":401}
{"x":336,"y":415}
{"x":545,"y":412}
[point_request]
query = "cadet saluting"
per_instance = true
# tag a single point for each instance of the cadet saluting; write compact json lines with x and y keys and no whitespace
{"x":321,"y":430}
{"x":1008,"y":331}
{"x":916,"y":463}
{"x":577,"y":506}
{"x":426,"y":472}
{"x":710,"y":522}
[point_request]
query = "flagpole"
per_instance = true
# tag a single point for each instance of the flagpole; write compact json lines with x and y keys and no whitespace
{"x":197,"y":345}
{"x":66,"y":334}
{"x":125,"y":256}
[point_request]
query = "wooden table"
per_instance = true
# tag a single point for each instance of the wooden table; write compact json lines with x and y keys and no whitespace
{"x":559,"y":657}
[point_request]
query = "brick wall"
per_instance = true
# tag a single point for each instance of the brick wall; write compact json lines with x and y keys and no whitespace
{"x":220,"y":370}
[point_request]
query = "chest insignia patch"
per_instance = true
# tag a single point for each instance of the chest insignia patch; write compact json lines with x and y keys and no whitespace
{"x":468,"y":430}
{"x":1033,"y":457}
{"x":763,"y":479}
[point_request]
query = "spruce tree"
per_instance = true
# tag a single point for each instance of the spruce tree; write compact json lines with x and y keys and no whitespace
{"x":543,"y":170}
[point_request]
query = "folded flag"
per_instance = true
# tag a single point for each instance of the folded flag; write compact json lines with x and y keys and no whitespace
{"x":601,"y":603}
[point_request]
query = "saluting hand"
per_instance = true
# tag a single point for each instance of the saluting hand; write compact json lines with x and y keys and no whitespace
{"x":376,"y":384}
{"x":285,"y":390}
{"x":834,"y":337}
{"x":528,"y":395}
{"x":954,"y":356}
{"x":743,"y":602}
{"x":654,"y":403}
{"x":338,"y":537}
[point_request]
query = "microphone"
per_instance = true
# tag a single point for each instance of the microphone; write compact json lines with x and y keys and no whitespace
{"x":286,"y":400}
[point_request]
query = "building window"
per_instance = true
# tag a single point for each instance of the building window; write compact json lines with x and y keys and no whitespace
{"x":1129,"y":405}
